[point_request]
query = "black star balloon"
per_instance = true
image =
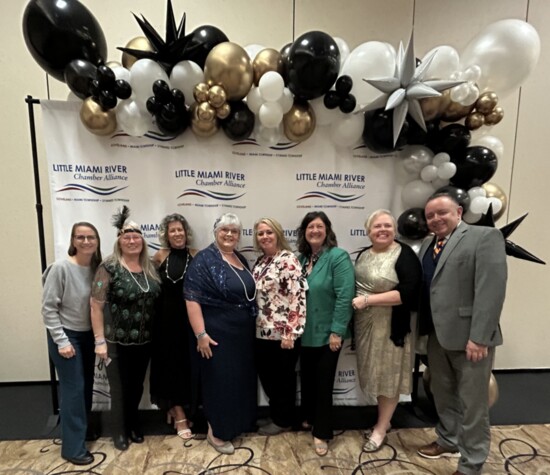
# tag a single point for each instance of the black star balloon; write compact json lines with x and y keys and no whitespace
{"x":512,"y":249}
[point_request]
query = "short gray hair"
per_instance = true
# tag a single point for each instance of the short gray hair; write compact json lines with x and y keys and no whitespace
{"x":227,"y":219}
{"x":380,"y":212}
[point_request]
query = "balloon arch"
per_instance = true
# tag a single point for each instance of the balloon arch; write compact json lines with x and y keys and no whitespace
{"x":387,"y":99}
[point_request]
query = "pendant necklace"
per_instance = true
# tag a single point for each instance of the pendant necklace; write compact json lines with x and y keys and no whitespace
{"x":183,"y":273}
{"x":134,"y":279}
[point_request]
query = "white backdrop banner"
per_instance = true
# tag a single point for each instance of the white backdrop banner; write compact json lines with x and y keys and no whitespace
{"x":91,"y":177}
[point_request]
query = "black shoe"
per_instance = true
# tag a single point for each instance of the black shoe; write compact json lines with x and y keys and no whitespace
{"x":120,"y":442}
{"x":91,"y":435}
{"x":136,"y":436}
{"x":86,"y":459}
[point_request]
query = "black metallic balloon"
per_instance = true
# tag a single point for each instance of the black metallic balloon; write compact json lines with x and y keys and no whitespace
{"x":313,"y":64}
{"x":58,"y":32}
{"x":475,"y":166}
{"x":201,"y":41}
{"x":412,"y":224}
{"x":378,"y":132}
{"x":79,"y":75}
{"x":240,"y":122}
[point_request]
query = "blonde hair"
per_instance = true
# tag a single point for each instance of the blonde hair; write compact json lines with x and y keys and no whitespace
{"x":282,"y":243}
{"x":144,"y":260}
{"x":376,"y":214}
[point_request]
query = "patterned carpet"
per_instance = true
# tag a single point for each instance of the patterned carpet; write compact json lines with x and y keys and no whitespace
{"x":515,"y":450}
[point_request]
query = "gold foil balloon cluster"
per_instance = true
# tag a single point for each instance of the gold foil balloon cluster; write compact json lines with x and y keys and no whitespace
{"x":485,"y":112}
{"x":210,"y":105}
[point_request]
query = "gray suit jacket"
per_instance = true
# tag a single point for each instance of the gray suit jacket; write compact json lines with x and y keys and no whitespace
{"x":468,"y":287}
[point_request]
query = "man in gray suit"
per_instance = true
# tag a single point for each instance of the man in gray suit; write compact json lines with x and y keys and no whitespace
{"x":463,"y":292}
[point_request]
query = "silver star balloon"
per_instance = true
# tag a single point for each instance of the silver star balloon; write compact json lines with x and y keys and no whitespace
{"x":402,"y":91}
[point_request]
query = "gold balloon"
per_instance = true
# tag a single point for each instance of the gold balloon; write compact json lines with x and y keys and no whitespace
{"x":216,"y":96}
{"x":268,"y":59}
{"x":97,"y":120}
{"x":494,"y":191}
{"x":493,"y":390}
{"x":205,"y":112}
{"x":486,"y":102}
{"x":299,"y":122}
{"x":228,"y":65}
{"x":141,"y":43}
{"x":474,"y":120}
{"x":456,"y":111}
{"x":200,"y":92}
{"x":204,"y":129}
{"x":223,"y":111}
{"x":495,"y":116}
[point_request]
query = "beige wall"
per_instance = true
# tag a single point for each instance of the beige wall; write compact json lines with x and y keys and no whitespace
{"x":523,"y":173}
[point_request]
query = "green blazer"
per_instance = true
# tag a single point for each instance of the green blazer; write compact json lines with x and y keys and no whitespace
{"x":328,"y":300}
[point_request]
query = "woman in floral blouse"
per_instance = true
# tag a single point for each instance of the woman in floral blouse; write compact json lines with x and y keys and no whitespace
{"x":281,"y":298}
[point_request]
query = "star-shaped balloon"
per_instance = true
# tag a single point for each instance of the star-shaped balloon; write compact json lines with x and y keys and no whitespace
{"x":512,"y":249}
{"x":402,"y":91}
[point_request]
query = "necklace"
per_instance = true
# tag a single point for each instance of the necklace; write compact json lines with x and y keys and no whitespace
{"x":182,"y":274}
{"x":267,"y":260}
{"x":242,"y":282}
{"x":134,"y":279}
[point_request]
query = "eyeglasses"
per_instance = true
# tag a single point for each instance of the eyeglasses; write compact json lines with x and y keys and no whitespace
{"x":131,"y":237}
{"x":83,"y":238}
{"x":229,"y":231}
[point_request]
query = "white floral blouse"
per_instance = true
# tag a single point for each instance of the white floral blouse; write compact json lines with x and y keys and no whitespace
{"x":281,"y":297}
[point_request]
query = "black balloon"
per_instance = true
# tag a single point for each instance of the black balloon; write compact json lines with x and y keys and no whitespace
{"x":348,"y":103}
{"x":240,"y":122}
{"x":418,"y":136}
{"x":343,"y":85}
{"x":313,"y":63}
{"x":458,"y":194}
{"x":153,"y":105}
{"x":452,"y":139}
{"x":412,"y":224}
{"x":201,"y":41}
{"x":123,"y":90}
{"x":106,"y":77}
{"x":161,"y":90}
{"x":378,"y":132}
{"x":284,"y":56}
{"x":170,"y":120}
{"x":57,"y":33}
{"x":107,"y":99}
{"x":475,"y":166}
{"x":79,"y":75}
{"x":331,"y":100}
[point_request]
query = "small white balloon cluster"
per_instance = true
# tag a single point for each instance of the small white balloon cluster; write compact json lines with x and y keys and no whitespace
{"x":466,"y":93}
{"x":269,"y":102}
{"x":440,"y":171}
{"x":479,"y":204}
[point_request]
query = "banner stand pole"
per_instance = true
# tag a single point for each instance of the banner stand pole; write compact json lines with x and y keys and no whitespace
{"x":41,"y":239}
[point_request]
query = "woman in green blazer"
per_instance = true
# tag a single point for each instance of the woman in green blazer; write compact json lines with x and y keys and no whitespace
{"x":331,"y":281}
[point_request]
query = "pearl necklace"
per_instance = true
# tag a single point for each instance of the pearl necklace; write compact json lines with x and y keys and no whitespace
{"x":183,"y":273}
{"x":239,"y":277}
{"x":134,"y":279}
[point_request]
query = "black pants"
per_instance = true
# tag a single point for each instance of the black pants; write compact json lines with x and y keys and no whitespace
{"x":126,"y":374}
{"x":277,"y":371}
{"x":317,"y":371}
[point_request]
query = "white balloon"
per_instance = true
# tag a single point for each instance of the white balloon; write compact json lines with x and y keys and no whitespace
{"x":497,"y":204}
{"x":476,"y":191}
{"x":344,"y":49}
{"x":446,"y":171}
{"x":507,"y":51}
{"x":479,"y":204}
{"x":491,"y":142}
{"x":472,"y":73}
{"x":121,"y":73}
{"x":439,"y":183}
{"x":472,"y":95}
{"x":270,"y":114}
{"x":416,"y":193}
{"x":323,"y":116}
{"x":470,"y":217}
{"x":373,"y":59}
{"x":416,"y":157}
{"x":185,"y":76}
{"x":254,"y":100}
{"x":253,"y":50}
{"x":458,"y":93}
{"x":271,"y":86}
{"x":441,"y":158}
{"x":286,"y":100}
{"x":143,"y":74}
{"x":428,"y":173}
{"x":444,"y":63}
{"x":131,"y":119}
{"x":267,"y":136}
{"x":347,"y":129}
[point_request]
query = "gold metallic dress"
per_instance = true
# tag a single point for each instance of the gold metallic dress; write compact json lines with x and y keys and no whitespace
{"x":384,"y":369}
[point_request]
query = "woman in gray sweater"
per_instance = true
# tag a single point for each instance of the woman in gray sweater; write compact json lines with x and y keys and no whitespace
{"x":66,"y":313}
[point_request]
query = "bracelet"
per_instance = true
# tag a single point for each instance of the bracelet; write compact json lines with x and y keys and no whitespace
{"x":366,"y":300}
{"x":99,"y":342}
{"x":200,"y":335}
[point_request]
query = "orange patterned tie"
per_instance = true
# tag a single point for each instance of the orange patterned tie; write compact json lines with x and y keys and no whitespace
{"x":438,"y":247}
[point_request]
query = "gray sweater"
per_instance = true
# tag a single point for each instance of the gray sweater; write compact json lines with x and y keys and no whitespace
{"x":66,"y":299}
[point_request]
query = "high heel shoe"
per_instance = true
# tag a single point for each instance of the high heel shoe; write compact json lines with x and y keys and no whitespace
{"x":186,"y":433}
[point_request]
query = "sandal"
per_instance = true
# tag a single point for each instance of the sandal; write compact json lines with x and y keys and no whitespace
{"x":185,"y":434}
{"x":367,"y":433}
{"x":320,"y":447}
{"x":371,"y":446}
